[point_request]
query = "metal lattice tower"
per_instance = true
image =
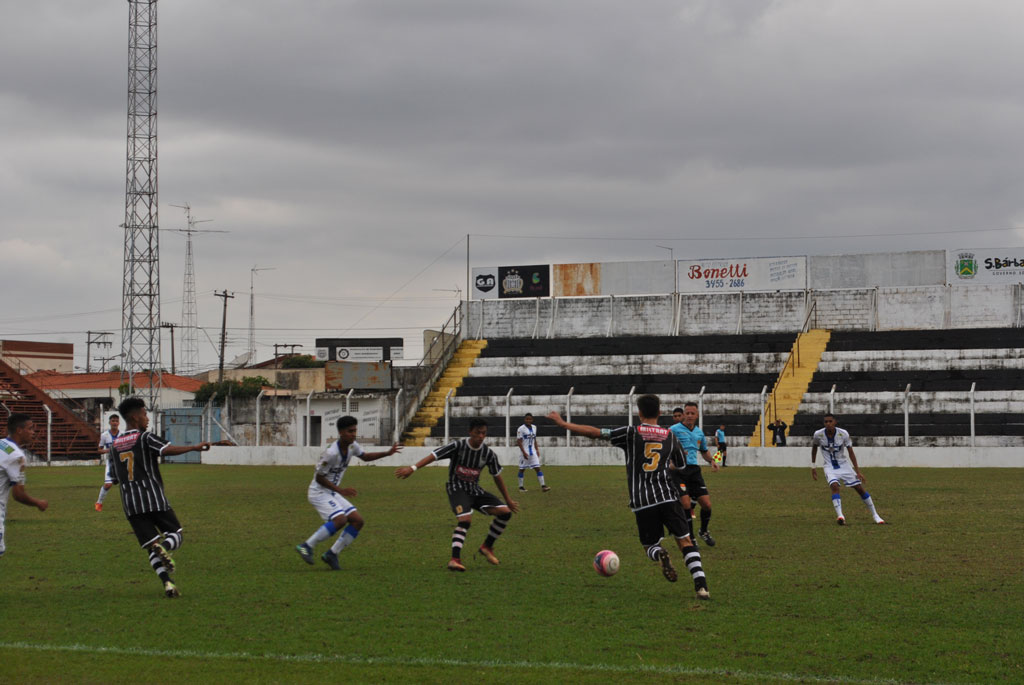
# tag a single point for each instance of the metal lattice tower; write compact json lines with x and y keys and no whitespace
{"x":252,"y":311}
{"x":189,"y":317}
{"x":140,"y":291}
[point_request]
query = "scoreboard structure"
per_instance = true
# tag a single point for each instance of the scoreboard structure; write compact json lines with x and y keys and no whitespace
{"x":359,"y":349}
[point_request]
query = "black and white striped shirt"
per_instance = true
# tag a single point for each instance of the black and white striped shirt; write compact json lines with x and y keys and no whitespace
{"x":136,"y":462}
{"x":466,"y":464}
{"x":648,"y":450}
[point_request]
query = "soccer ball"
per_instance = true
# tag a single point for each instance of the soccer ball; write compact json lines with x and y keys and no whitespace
{"x":717,"y":458}
{"x":606,"y":563}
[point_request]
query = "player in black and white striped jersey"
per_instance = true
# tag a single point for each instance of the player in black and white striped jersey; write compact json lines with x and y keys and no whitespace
{"x":649,"y":450}
{"x":468,"y":458}
{"x":135,"y":456}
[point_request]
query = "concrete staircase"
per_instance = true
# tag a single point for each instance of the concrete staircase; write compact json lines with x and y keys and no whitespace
{"x":793,"y":382}
{"x":432,"y":408}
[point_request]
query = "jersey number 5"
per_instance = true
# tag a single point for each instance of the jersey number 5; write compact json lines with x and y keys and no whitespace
{"x":652,"y":455}
{"x":130,"y":458}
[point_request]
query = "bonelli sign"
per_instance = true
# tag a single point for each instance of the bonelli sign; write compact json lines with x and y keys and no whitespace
{"x":754,"y":273}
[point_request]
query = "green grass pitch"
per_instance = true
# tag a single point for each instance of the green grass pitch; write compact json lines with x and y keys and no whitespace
{"x":937,"y":596}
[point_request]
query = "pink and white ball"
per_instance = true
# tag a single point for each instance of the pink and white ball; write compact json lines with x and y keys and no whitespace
{"x":606,"y":563}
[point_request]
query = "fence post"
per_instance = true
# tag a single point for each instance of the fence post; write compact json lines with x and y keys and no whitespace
{"x":348,"y":401}
{"x":259,"y":398}
{"x":611,"y":316}
{"x":49,"y":430}
{"x":700,"y":407}
{"x":764,"y":392}
{"x":906,"y":416}
{"x":973,"y":385}
{"x":309,"y":420}
{"x":568,"y":413}
{"x":447,"y":423}
{"x":398,"y":410}
{"x":508,"y":417}
{"x":629,"y":406}
{"x":832,"y":400}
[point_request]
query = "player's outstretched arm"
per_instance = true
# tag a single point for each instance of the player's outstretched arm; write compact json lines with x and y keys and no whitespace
{"x":374,"y":456}
{"x":406,"y":471}
{"x":512,"y":504}
{"x":18,"y":491}
{"x":577,"y":428}
{"x":175,"y":450}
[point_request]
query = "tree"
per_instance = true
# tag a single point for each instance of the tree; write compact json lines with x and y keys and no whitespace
{"x":249,"y":386}
{"x":301,"y":361}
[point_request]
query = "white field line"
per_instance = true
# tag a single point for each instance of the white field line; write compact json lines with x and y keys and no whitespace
{"x":426,"y":661}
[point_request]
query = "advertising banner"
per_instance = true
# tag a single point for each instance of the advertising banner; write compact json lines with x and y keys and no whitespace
{"x":613,"y":278}
{"x":511,"y":281}
{"x":986,"y":266}
{"x":753,"y":273}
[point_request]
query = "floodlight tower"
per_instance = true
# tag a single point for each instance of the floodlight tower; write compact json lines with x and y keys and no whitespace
{"x":189,"y":317}
{"x":140,"y":290}
{"x":252,"y":310}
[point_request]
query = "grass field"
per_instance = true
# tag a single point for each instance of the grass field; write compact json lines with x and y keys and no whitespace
{"x":937,"y":596}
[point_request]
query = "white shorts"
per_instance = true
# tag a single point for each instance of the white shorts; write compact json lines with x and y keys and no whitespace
{"x":844,"y":473}
{"x":330,"y":504}
{"x":531,"y":462}
{"x":108,"y":473}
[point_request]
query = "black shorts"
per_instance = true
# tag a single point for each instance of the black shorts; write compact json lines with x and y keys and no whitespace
{"x":463,"y":502}
{"x":651,"y":522}
{"x":722,"y":446}
{"x":148,"y":526}
{"x":690,"y":481}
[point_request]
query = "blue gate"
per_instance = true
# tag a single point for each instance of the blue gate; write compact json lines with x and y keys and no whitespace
{"x":184,"y":426}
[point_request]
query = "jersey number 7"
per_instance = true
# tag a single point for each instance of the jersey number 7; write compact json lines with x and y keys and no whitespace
{"x":130,"y":458}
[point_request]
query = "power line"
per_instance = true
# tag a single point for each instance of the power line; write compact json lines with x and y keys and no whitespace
{"x":745,"y":237}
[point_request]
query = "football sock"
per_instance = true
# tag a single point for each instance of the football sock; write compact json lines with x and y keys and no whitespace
{"x":158,"y":566}
{"x":691,"y":557}
{"x":520,"y":479}
{"x":345,"y":539}
{"x":689,"y":520}
{"x":540,"y":477}
{"x":322,"y":533}
{"x":459,"y":539}
{"x":172,"y":541}
{"x":837,"y":504}
{"x":705,"y":516}
{"x":869,"y":504}
{"x":103,"y":495}
{"x":654,"y":551}
{"x":497,"y":528}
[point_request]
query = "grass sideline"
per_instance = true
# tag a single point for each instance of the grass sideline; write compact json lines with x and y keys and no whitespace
{"x":935,"y":597}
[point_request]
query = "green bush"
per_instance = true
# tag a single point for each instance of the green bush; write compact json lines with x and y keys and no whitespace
{"x":249,"y":386}
{"x":301,"y":361}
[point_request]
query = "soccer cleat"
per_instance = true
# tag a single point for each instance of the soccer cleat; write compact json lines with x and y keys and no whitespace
{"x":666,"y":567}
{"x":456,"y":565}
{"x":841,"y":521}
{"x":880,"y":522}
{"x":331,"y":559}
{"x":706,"y":537}
{"x":522,"y":489}
{"x":702,"y":593}
{"x":98,"y":506}
{"x":165,"y":558}
{"x":171,"y":590}
{"x":545,"y":488}
{"x":488,"y":554}
{"x":305,"y":552}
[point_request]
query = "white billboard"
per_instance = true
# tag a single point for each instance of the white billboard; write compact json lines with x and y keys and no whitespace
{"x":985,"y":267}
{"x":750,"y":273}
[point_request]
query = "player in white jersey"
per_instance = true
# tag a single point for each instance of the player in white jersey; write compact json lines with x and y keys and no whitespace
{"x":106,"y":440}
{"x":840,"y":466}
{"x":20,"y":431}
{"x":526,"y":438}
{"x":330,"y":499}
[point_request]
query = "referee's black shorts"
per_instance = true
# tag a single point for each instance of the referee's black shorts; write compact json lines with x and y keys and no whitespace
{"x":150,"y":525}
{"x":690,"y":480}
{"x":652,"y":522}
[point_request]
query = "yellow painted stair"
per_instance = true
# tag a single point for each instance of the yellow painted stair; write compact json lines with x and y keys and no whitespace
{"x":432,"y":408}
{"x":792,"y":384}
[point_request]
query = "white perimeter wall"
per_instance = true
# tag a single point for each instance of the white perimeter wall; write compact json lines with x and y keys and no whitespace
{"x":867,"y":457}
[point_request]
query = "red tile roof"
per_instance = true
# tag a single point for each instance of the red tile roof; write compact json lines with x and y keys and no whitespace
{"x":109,"y":380}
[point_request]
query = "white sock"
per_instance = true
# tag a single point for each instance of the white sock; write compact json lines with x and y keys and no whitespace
{"x":343,"y":541}
{"x":320,"y":535}
{"x":103,"y":495}
{"x":540,"y":477}
{"x":520,"y":479}
{"x":871,"y":506}
{"x":837,"y":504}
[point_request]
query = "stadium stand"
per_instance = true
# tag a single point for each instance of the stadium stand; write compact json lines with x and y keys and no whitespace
{"x":871,"y":370}
{"x":733,"y":369}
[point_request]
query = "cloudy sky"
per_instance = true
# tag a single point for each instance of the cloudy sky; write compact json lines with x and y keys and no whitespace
{"x":352,"y":145}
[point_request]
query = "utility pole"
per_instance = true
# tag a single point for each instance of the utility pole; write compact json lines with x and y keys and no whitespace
{"x":252,"y":311}
{"x":94,"y":338}
{"x":172,"y":326}
{"x":291,"y":352}
{"x":223,"y":332}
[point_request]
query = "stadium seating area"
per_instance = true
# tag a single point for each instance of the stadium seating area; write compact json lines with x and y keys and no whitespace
{"x":871,"y":371}
{"x":601,"y":371}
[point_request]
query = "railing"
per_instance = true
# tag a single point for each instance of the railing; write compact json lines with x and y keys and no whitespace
{"x":72,"y":404}
{"x":435,"y":359}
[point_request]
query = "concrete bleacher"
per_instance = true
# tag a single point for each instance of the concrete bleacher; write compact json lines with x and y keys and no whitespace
{"x":733,"y":369}
{"x":871,"y":370}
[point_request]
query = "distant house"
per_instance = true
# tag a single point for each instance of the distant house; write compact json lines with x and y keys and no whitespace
{"x":92,"y":389}
{"x":26,"y":356}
